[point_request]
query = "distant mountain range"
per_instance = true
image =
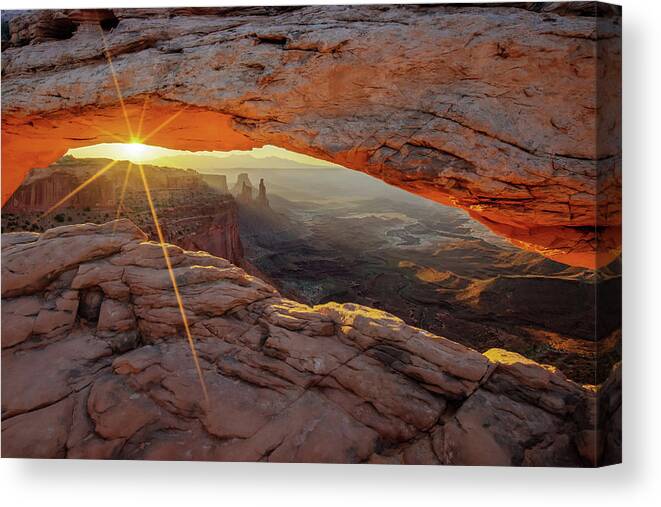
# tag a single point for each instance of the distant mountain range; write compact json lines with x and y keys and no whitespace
{"x":218,"y":165}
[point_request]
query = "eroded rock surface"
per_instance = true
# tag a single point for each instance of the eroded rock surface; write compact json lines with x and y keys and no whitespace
{"x":191,"y":213}
{"x":95,"y":364}
{"x":500,"y":110}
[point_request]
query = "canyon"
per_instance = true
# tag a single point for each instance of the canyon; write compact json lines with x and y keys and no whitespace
{"x":466,"y":312}
{"x":516,"y":118}
{"x":332,"y":235}
{"x":347,"y":237}
{"x":191,"y":213}
{"x":95,"y":366}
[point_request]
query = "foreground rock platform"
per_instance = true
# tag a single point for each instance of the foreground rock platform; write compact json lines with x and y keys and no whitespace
{"x":95,"y":364}
{"x":511,"y":112}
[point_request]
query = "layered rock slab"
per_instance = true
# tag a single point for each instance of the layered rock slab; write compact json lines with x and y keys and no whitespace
{"x":509,"y":113}
{"x":286,"y":382}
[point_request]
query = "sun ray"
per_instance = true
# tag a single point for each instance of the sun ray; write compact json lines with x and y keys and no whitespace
{"x":157,"y":225}
{"x":110,"y":134}
{"x":115,"y":81}
{"x":173,"y":280}
{"x":120,"y":205}
{"x":89,"y":180}
{"x":164,"y":124}
{"x":142,"y":117}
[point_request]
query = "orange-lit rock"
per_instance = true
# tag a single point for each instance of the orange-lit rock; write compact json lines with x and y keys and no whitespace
{"x":491,"y":109}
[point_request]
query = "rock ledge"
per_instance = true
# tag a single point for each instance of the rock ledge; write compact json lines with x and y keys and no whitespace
{"x":95,"y":365}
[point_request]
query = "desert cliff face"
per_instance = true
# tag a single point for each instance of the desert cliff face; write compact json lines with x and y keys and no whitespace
{"x":41,"y":190}
{"x":93,"y":312}
{"x":191,"y":214}
{"x":502,"y":120}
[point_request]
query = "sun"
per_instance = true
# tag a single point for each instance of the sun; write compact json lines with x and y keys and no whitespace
{"x":134,"y":151}
{"x":136,"y":147}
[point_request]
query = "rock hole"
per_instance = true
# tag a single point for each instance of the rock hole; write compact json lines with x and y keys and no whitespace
{"x":277,"y":39}
{"x":90,"y":304}
{"x":61,"y":29}
{"x":109,"y":22}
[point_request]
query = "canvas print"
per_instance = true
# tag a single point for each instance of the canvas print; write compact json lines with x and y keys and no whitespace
{"x":378,"y":234}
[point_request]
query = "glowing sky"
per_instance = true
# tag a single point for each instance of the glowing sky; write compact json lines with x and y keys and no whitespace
{"x":141,"y":153}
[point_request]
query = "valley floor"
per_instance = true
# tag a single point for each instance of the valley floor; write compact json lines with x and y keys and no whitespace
{"x":438,"y":270}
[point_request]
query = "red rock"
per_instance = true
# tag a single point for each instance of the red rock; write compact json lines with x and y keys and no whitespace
{"x":22,"y":313}
{"x":503,"y":122}
{"x":49,"y":427}
{"x":59,"y":252}
{"x":493,"y":429}
{"x":286,"y":382}
{"x":117,"y":410}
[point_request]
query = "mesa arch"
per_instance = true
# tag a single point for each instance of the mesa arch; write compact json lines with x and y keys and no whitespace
{"x":501,"y":111}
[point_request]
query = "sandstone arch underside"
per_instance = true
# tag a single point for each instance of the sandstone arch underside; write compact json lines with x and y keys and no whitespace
{"x":501,"y":111}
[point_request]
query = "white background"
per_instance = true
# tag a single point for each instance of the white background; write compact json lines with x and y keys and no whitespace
{"x":636,"y":482}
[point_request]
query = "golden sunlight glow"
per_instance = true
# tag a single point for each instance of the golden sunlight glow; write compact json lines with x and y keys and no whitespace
{"x":134,"y":152}
{"x":182,"y":159}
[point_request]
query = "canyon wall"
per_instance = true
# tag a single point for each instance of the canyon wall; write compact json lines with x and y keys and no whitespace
{"x":43,"y":189}
{"x":95,"y":365}
{"x":213,"y":228}
{"x":511,"y":112}
{"x":191,"y":214}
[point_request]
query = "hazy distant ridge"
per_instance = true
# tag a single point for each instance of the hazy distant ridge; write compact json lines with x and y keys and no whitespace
{"x":216,"y":165}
